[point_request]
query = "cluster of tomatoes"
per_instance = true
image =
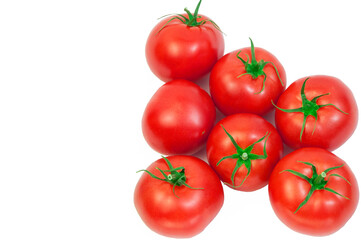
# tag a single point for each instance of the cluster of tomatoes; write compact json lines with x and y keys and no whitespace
{"x":311,"y":190}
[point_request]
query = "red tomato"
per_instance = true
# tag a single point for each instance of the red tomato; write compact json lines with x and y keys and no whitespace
{"x":178,"y":118}
{"x":321,"y":177}
{"x":246,"y":80}
{"x":182,"y":208}
{"x":243,"y":149}
{"x":324,"y":115}
{"x":178,"y":48}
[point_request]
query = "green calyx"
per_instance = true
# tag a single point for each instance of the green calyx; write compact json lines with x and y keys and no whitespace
{"x":309,"y":108}
{"x":317,"y":181}
{"x":244,"y":157}
{"x":173,"y":176}
{"x":255,"y":69}
{"x":191,"y":20}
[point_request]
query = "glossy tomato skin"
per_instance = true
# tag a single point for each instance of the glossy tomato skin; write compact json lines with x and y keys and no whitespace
{"x":246,"y":129}
{"x":237,"y":95}
{"x":182,"y":52}
{"x":325,"y":212}
{"x":333,"y":127}
{"x":178,"y":118}
{"x":187,"y":215}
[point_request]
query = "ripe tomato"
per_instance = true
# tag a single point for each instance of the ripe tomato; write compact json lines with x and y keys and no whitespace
{"x":332,"y":107}
{"x":243,"y":149}
{"x":180,"y":202}
{"x":247,"y":80}
{"x":313,"y":191}
{"x":184,"y":46}
{"x":178,"y":118}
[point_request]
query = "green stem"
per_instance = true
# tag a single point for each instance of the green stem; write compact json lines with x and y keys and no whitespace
{"x":309,"y":108}
{"x":317,"y":181}
{"x":255,"y":69}
{"x":191,"y":20}
{"x":243,"y":157}
{"x":176,"y":176}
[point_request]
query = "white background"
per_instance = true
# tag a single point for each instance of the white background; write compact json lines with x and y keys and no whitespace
{"x":73,"y":86}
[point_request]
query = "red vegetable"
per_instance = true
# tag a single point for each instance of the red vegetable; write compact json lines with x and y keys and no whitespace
{"x":247,"y":80}
{"x":178,"y":118}
{"x":243,"y":149}
{"x":313,"y":191}
{"x":178,"y":196}
{"x":318,"y":111}
{"x":184,"y":46}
